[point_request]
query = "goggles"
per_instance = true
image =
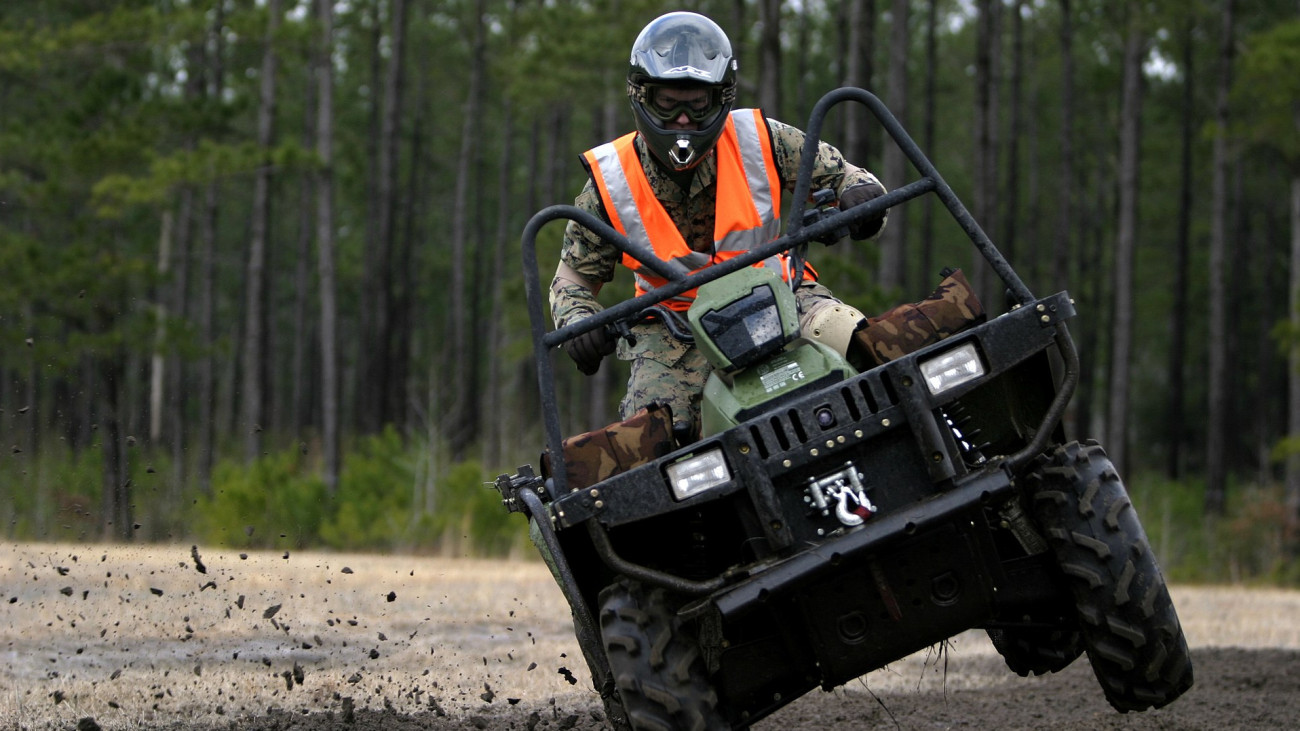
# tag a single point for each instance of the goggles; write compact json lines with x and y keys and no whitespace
{"x":668,"y":103}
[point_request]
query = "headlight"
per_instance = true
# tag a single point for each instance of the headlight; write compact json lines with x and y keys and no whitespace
{"x":698,"y":473}
{"x":952,"y":369}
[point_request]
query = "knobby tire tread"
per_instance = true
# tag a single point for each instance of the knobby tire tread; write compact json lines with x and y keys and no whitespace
{"x":657,"y":666}
{"x":1128,"y":623}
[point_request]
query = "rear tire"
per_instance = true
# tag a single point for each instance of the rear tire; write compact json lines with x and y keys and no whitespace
{"x":657,"y":666}
{"x":1127,"y":620}
{"x":1033,"y":651}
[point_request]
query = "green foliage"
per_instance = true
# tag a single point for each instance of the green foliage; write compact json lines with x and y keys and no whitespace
{"x":570,"y":49}
{"x":279,"y":501}
{"x":374,"y":503}
{"x":54,"y":495}
{"x":209,"y":161}
{"x":1243,"y":546}
{"x":469,"y":517}
{"x":1268,"y":90}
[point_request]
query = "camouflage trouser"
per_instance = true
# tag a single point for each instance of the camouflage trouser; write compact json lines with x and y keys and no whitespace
{"x":907,"y":328}
{"x":670,"y":372}
{"x":664,"y":370}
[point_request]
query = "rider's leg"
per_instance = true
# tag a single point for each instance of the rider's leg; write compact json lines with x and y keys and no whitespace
{"x":666,"y":371}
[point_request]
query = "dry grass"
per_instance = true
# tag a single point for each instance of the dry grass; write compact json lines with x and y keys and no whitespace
{"x":128,"y":634}
{"x":138,"y":636}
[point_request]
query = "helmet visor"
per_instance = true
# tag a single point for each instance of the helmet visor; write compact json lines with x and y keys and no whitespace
{"x":666,"y":103}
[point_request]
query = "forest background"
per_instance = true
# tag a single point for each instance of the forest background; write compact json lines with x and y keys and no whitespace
{"x":259,"y":272}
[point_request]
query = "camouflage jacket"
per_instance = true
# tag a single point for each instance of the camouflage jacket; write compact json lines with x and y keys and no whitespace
{"x":692,"y":211}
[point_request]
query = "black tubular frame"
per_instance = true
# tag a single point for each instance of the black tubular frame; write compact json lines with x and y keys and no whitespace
{"x":679,"y":280}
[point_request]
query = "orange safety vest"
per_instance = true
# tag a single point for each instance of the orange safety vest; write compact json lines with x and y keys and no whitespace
{"x":747,"y":211}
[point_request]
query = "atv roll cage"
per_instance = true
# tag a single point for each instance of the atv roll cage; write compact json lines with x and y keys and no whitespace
{"x":797,"y":235}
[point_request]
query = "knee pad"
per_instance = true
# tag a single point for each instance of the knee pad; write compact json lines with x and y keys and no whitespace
{"x":831,"y":324}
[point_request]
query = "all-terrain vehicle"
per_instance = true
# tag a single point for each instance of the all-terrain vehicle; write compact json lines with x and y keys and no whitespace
{"x":831,"y":519}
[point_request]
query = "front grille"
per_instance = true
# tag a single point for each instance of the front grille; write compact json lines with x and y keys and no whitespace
{"x":789,"y":428}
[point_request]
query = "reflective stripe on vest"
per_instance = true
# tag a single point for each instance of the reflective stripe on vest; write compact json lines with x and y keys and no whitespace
{"x":746,"y":213}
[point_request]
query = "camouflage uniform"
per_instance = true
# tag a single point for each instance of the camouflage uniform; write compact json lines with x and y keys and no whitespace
{"x":907,"y":328}
{"x":664,"y":369}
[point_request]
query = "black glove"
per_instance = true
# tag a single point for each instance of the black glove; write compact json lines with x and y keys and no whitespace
{"x":589,"y":348}
{"x":856,"y":195}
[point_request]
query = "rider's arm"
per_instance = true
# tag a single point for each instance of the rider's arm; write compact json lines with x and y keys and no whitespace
{"x":830,"y":169}
{"x":586,"y":264}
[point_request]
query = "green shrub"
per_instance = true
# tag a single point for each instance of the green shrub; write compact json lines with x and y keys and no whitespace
{"x":277,"y":501}
{"x":375,"y":496}
{"x":468,"y":516}
{"x":1173,"y":515}
{"x":1244,"y":545}
{"x":53,"y":495}
{"x":385,"y":502}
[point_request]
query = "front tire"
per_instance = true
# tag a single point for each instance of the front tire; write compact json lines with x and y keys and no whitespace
{"x":657,"y":666}
{"x":1128,"y":623}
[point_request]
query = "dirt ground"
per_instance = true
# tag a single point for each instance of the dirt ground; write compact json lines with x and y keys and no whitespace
{"x":174,"y":637}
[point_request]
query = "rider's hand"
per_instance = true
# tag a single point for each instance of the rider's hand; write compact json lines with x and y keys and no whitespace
{"x":589,"y":348}
{"x":856,"y":195}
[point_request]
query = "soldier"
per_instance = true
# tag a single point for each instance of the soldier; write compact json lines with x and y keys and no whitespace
{"x":697,"y":182}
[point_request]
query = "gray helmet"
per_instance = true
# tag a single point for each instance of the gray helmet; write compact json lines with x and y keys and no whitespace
{"x":681,"y":51}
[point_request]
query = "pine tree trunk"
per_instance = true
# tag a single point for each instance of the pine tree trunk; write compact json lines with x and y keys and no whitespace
{"x":1125,"y":246}
{"x":388,"y":388}
{"x":299,"y":378}
{"x":859,"y":30}
{"x":1065,"y":180}
{"x":208,"y":285}
{"x":1091,"y":278}
{"x":803,"y":47}
{"x":1030,"y":259}
{"x":179,"y":394}
{"x":1272,"y":246}
{"x":1011,"y":209}
{"x":325,"y":254}
{"x":891,"y":276}
{"x":984,"y":137}
{"x":1216,"y":448}
{"x":1292,"y":532}
{"x":158,"y":360}
{"x":856,"y":56}
{"x":255,"y":340}
{"x":404,"y":274}
{"x":495,"y":403}
{"x":928,"y":135}
{"x":769,"y":57}
{"x":369,"y":391}
{"x":462,"y":431}
{"x":1178,"y":320}
{"x":118,"y":507}
{"x":181,"y":309}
